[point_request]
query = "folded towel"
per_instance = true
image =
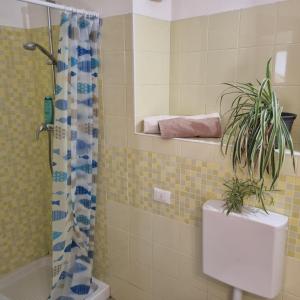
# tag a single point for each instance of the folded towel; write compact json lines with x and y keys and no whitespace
{"x":189,"y":128}
{"x":151,"y":123}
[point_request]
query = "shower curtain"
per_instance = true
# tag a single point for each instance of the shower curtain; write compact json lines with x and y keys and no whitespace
{"x":75,"y":149}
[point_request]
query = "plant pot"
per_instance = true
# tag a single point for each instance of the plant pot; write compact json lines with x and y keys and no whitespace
{"x":288,"y":119}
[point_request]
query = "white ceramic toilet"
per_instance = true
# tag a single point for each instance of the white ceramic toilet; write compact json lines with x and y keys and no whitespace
{"x":246,"y":251}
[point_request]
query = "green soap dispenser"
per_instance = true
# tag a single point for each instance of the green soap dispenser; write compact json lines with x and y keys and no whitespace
{"x":48,"y":110}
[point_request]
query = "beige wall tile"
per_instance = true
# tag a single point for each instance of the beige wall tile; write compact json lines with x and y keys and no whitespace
{"x":287,"y":65}
{"x":290,"y":297}
{"x":190,"y":35}
{"x":221,"y":66}
{"x":117,"y":215}
{"x":140,"y":251}
{"x":130,"y":101}
{"x":223,"y":30}
{"x":129,"y":68}
{"x":174,"y":99}
{"x":170,"y":147}
{"x":114,"y":97}
{"x":118,"y":252}
{"x":191,"y":273}
{"x":151,"y":34}
{"x":152,"y":68}
{"x":140,"y":275}
{"x":257,"y":26}
{"x":129,"y":32}
{"x":141,"y":224}
{"x":192,"y":68}
{"x":113,"y":68}
{"x":292,"y":279}
{"x":192,"y":100}
{"x":115,"y":131}
{"x":165,"y":260}
{"x":288,"y":24}
{"x":152,"y":100}
{"x":213,"y":95}
{"x":166,"y":287}
{"x":190,"y":241}
{"x":113,"y":33}
{"x":165,"y":232}
{"x":252,"y":63}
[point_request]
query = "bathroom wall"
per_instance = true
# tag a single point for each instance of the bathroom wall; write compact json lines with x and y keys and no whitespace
{"x":153,"y":250}
{"x":152,"y":67}
{"x":25,"y":181}
{"x":235,"y":46}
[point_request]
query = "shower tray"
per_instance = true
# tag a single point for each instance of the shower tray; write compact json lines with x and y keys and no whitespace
{"x":33,"y":282}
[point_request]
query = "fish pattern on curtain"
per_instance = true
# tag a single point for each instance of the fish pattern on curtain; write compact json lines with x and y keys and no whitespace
{"x":75,"y":150}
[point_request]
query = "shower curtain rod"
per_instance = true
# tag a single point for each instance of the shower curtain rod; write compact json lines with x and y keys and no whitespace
{"x":62,"y":7}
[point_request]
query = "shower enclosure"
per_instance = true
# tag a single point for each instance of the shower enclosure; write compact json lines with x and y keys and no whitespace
{"x":28,"y":62}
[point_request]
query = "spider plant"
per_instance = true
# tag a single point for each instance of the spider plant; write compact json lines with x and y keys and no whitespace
{"x":238,"y":190}
{"x":255,"y":133}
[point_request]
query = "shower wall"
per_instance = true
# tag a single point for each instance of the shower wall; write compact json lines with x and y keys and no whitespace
{"x":25,"y":180}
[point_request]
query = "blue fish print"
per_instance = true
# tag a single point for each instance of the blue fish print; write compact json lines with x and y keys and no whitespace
{"x":84,"y":168}
{"x":83,"y":258}
{"x":83,"y":219}
{"x":59,"y":246}
{"x":84,"y":156}
{"x":88,"y":102}
{"x":94,"y":63}
{"x":73,"y":73}
{"x":85,"y":66}
{"x":83,"y":23}
{"x":61,"y":66}
{"x":91,"y":254}
{"x":95,"y":74}
{"x":62,"y":120}
{"x":94,"y":164}
{"x":80,"y":289}
{"x":68,"y":155}
{"x":56,"y":235}
{"x":74,"y":61}
{"x":58,"y":89}
{"x":80,"y":190}
{"x":58,"y":215}
{"x":56,"y":202}
{"x":71,"y":246}
{"x":85,"y":88}
{"x":64,"y":19}
{"x":78,"y":267}
{"x":85,"y":202}
{"x":59,"y":193}
{"x":95,"y":133}
{"x":61,"y":104}
{"x":82,"y":51}
{"x":82,"y":146}
{"x":60,"y":176}
{"x":56,"y":151}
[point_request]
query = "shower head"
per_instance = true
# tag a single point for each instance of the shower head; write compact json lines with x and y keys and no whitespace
{"x":32,"y":46}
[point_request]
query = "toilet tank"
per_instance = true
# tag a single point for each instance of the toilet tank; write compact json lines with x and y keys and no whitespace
{"x":246,"y":251}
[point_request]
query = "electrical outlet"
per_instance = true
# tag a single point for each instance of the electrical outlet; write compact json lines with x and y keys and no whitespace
{"x":162,"y":196}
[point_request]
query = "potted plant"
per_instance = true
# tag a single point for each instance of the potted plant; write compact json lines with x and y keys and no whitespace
{"x":256,"y":137}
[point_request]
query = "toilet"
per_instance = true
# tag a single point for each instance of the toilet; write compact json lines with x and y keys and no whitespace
{"x":246,"y":251}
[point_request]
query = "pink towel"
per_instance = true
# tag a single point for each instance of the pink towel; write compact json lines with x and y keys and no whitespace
{"x":189,"y":128}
